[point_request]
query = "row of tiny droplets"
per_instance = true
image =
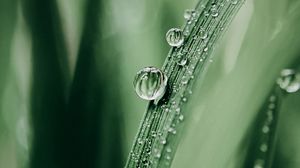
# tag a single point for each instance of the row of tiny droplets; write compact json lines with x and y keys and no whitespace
{"x":151,"y":143}
{"x":267,"y":133}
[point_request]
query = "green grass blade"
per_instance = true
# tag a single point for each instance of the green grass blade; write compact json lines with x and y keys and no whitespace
{"x":94,"y":105}
{"x":50,"y":80}
{"x":158,"y":137}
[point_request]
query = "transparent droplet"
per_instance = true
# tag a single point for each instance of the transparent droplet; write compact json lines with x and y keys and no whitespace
{"x":203,"y":34}
{"x":233,"y":2}
{"x":150,"y":83}
{"x":263,"y":148}
{"x":214,"y":11}
{"x":180,"y":59}
{"x":181,"y":117}
{"x":189,"y":13}
{"x":289,"y":80}
{"x":205,"y":49}
{"x":175,"y":37}
{"x":259,"y":163}
{"x":265,"y":129}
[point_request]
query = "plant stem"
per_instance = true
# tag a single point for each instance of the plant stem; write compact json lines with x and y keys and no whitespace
{"x":159,"y":133}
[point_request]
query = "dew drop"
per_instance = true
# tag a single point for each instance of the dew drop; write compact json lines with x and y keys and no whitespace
{"x":172,"y":130}
{"x":205,"y":49}
{"x":181,"y":117}
{"x":175,"y":37}
{"x":259,"y":163}
{"x":150,"y":83}
{"x":189,"y":13}
{"x":168,"y":149}
{"x":177,"y":110}
{"x":203,"y":34}
{"x":265,"y":129}
{"x":233,"y":2}
{"x":180,"y":60}
{"x":289,"y":80}
{"x":163,"y":141}
{"x":263,"y":148}
{"x":214,"y":11}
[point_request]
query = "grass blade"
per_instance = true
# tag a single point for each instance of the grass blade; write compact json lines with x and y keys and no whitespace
{"x":158,"y":137}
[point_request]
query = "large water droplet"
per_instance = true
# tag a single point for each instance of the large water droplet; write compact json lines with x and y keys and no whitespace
{"x":150,"y":83}
{"x":175,"y":37}
{"x":189,"y":13}
{"x":289,"y":80}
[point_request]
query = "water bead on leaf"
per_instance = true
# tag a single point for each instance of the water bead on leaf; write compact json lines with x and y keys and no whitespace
{"x":150,"y":83}
{"x":289,"y":80}
{"x":189,"y":13}
{"x":175,"y":37}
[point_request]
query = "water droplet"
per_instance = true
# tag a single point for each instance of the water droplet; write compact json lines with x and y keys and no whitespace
{"x":289,"y":80}
{"x":259,"y":163}
{"x":263,"y":148}
{"x":203,"y":34}
{"x":175,"y":37}
{"x":177,"y":110}
{"x":150,"y":83}
{"x":180,"y":59}
{"x":233,"y":2}
{"x":185,"y":80}
{"x":184,"y":99}
{"x":172,"y":130}
{"x":265,"y":129}
{"x":214,"y":11}
{"x":163,"y":141}
{"x":189,"y":13}
{"x":205,"y":49}
{"x":168,"y":149}
{"x":140,"y":141}
{"x":181,"y":117}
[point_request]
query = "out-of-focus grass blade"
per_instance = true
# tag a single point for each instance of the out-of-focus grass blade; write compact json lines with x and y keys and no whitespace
{"x":94,"y":105}
{"x":49,"y":85}
{"x":8,"y":12}
{"x":260,"y":152}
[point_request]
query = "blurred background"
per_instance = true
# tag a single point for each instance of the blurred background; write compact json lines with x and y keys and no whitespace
{"x":67,"y":67}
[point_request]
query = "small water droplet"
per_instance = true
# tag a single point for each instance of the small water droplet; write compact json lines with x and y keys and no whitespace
{"x":168,"y":149}
{"x":175,"y":37}
{"x":271,"y":106}
{"x":289,"y":80}
{"x":263,"y":148}
{"x":205,"y":49}
{"x":177,"y":110}
{"x":163,"y":141}
{"x":203,"y":34}
{"x":172,"y":130}
{"x":150,"y":83}
{"x":233,"y":2}
{"x":184,"y":99}
{"x":214,"y":11}
{"x":181,"y":117}
{"x":185,"y":80}
{"x":140,"y":141}
{"x":181,"y":60}
{"x":259,"y":163}
{"x":265,"y":129}
{"x":189,"y":13}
